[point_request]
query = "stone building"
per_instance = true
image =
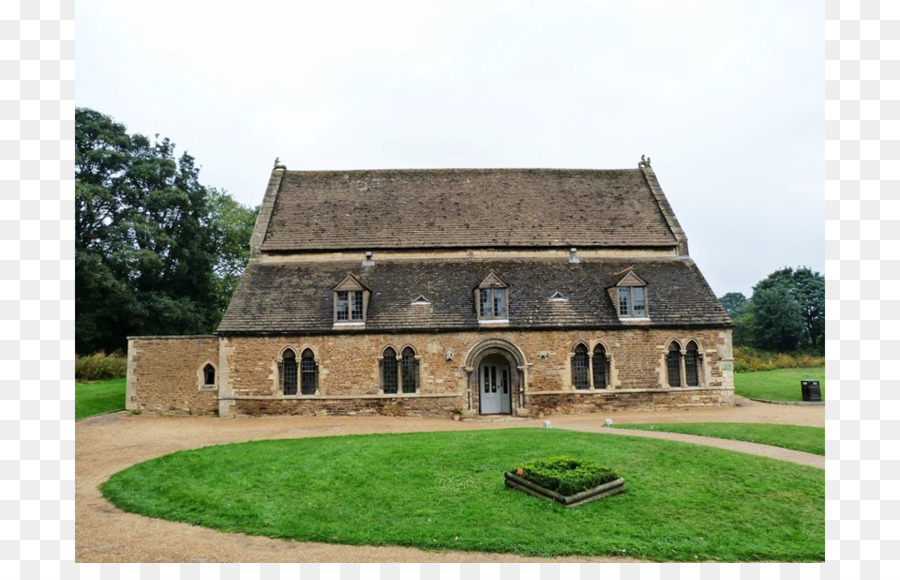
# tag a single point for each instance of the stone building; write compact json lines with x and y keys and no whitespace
{"x":415,"y":292}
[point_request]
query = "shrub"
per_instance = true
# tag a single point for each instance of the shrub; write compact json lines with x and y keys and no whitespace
{"x":100,"y":366}
{"x":566,"y":475}
{"x":748,"y":359}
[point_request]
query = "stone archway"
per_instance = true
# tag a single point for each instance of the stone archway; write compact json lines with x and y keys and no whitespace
{"x":496,"y":377}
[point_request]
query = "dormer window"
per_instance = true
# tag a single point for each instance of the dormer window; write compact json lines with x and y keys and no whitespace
{"x":632,"y":301}
{"x":630,"y":296}
{"x":492,"y":300}
{"x":349,"y":305}
{"x":351,"y":300}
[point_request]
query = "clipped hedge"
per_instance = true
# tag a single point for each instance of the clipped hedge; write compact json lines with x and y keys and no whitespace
{"x":747,"y":360}
{"x":100,"y":366}
{"x":566,"y":475}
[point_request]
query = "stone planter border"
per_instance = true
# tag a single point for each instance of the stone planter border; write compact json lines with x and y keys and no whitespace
{"x":607,"y":489}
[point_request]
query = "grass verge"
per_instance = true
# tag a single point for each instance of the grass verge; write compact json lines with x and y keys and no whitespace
{"x":796,"y":437}
{"x":99,"y":397}
{"x":446,"y":491}
{"x":777,"y":385}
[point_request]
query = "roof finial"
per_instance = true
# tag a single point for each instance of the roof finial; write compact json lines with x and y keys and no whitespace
{"x":279,"y":164}
{"x":644,"y":162}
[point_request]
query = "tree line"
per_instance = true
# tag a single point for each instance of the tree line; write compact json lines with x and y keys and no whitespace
{"x":786,"y":312}
{"x":156,"y":252}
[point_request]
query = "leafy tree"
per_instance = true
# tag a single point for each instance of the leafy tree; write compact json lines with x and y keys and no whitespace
{"x":807,"y":289}
{"x":147,"y":238}
{"x":232,"y":227}
{"x":776,"y":322}
{"x":785,"y":313}
{"x":733,"y":302}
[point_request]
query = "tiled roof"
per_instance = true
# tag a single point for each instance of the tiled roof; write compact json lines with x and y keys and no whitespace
{"x":470,"y":208}
{"x":297,"y":297}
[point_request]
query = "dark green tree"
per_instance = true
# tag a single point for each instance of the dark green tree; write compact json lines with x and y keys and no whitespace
{"x":232,"y":226}
{"x":787,"y":311}
{"x":147,"y":238}
{"x":809,"y":289}
{"x":733,"y":302}
{"x":775,"y":321}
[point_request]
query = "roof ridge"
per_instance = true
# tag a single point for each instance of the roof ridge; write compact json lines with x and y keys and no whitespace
{"x":459,"y":169}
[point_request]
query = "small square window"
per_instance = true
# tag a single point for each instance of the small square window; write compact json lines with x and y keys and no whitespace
{"x":350,"y":301}
{"x":632,"y":302}
{"x":630,"y":295}
{"x":349,"y":305}
{"x":492,"y":298}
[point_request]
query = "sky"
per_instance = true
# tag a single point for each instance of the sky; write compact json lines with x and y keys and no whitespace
{"x":726,"y":98}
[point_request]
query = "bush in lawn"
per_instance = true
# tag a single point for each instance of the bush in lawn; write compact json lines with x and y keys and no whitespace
{"x":100,"y":366}
{"x":566,"y":475}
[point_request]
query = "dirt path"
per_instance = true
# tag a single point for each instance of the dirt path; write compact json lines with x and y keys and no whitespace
{"x":107,"y":444}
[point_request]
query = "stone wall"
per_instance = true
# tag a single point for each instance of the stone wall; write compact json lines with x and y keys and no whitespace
{"x":165,"y":374}
{"x":349,"y":380}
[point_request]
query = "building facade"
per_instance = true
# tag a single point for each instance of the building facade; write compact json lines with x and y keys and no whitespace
{"x":415,"y":292}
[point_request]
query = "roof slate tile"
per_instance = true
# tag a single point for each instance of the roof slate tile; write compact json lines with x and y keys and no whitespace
{"x":473,"y":208}
{"x":297,"y":297}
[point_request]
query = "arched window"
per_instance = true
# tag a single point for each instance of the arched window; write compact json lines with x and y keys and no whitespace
{"x":409,"y":366}
{"x":309,"y":373}
{"x":209,"y":375}
{"x":580,"y":365}
{"x":598,"y":367}
{"x":388,"y":365}
{"x":288,"y":372}
{"x":673,"y":365}
{"x":692,"y":365}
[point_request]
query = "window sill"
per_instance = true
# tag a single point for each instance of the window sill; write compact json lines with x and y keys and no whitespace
{"x":350,"y":324}
{"x":493,"y":321}
{"x":634,"y":319}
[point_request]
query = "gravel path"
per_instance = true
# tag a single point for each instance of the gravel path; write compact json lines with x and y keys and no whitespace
{"x":107,"y":444}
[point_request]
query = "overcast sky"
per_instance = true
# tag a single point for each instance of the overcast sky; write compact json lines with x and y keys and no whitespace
{"x":726,"y":98}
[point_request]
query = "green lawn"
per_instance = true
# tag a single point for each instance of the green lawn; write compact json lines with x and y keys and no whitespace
{"x":808,"y":439}
{"x":446,"y":491}
{"x":99,"y":397}
{"x":777,"y":385}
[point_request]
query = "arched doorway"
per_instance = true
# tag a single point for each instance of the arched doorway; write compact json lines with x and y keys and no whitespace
{"x":495,"y":385}
{"x":496,"y":377}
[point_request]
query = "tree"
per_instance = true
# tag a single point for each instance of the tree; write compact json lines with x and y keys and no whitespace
{"x":147,"y":238}
{"x":232,"y":227}
{"x":776,"y":322}
{"x":810,"y":292}
{"x":786,"y":312}
{"x":733,"y":302}
{"x":807,"y":289}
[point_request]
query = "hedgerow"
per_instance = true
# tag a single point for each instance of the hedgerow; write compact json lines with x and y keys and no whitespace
{"x":100,"y":366}
{"x":747,"y":359}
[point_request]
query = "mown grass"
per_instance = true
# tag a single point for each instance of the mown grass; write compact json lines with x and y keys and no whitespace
{"x":799,"y":438}
{"x":99,"y":397}
{"x":777,"y":385}
{"x":446,"y":491}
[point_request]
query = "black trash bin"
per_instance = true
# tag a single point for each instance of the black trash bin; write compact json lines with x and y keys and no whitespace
{"x":811,"y":390}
